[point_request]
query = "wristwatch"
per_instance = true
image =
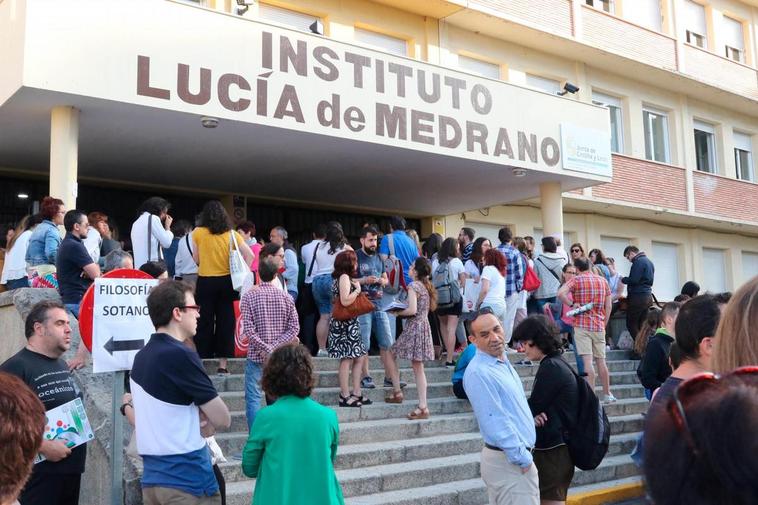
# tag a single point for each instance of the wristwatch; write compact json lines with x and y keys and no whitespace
{"x":123,"y":407}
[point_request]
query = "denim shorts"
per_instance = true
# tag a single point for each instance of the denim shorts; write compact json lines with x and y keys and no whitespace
{"x":381,"y":324}
{"x":322,"y":293}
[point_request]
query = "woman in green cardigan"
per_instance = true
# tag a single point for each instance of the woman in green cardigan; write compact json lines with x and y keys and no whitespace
{"x":292,"y":443}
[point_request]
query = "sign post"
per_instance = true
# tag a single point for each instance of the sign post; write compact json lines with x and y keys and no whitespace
{"x":115,"y":324}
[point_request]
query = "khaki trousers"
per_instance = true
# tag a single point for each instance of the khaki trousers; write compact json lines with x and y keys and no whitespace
{"x":171,"y":496}
{"x":506,"y":485}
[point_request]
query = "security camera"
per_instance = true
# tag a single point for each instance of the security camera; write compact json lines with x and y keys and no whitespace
{"x":243,"y":6}
{"x":568,"y":88}
{"x":209,"y":122}
{"x":317,"y":27}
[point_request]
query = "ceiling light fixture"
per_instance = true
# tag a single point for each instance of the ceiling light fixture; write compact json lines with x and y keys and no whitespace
{"x":22,"y":196}
{"x":519,"y":172}
{"x":209,"y":122}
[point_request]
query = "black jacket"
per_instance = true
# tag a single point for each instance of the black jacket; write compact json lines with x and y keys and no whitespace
{"x":654,"y":368}
{"x":555,"y":393}
{"x":640,"y":280}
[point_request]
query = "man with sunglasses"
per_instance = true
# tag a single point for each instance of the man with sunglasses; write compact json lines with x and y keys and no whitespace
{"x":168,"y":382}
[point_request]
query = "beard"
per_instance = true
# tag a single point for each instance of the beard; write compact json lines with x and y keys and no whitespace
{"x":370,"y":252}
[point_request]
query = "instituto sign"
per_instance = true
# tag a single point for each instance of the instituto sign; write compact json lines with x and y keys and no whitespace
{"x":257,"y":73}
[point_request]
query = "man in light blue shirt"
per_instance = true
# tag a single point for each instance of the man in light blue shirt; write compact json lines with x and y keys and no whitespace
{"x":505,"y":421}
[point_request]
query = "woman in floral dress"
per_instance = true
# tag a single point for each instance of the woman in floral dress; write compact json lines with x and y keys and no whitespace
{"x":344,"y":340}
{"x":415,"y":342}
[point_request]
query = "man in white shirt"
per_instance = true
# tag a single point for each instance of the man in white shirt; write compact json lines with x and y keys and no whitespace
{"x":278,"y":236}
{"x":151,"y":231}
{"x":306,"y":307}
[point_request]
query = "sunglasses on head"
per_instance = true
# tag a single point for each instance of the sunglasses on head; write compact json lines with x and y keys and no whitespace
{"x":690,"y":389}
{"x":482,"y":311}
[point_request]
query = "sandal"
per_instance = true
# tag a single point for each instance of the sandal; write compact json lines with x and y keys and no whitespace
{"x":364,"y":400}
{"x":345,"y":401}
{"x":419,"y":413}
{"x":395,"y":397}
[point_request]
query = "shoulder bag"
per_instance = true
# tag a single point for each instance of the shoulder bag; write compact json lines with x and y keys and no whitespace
{"x":238,"y":269}
{"x":361,"y":305}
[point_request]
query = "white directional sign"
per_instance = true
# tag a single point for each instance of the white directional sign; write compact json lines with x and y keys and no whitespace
{"x":121,"y":323}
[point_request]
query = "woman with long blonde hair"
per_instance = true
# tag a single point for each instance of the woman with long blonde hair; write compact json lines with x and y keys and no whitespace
{"x":736,"y":342}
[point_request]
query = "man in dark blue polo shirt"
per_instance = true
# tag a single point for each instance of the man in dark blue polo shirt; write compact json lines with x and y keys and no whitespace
{"x":74,"y":265}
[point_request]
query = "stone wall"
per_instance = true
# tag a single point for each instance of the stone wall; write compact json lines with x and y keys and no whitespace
{"x":97,"y":389}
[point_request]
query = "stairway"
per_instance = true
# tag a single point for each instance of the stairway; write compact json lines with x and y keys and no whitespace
{"x":385,"y":459}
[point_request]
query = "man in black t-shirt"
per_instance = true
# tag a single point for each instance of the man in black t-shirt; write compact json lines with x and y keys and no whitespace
{"x":74,"y":265}
{"x":56,"y":480}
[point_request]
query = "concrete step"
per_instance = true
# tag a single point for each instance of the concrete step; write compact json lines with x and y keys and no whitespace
{"x":329,"y":378}
{"x":400,"y":451}
{"x":237,"y":365}
{"x":623,"y":385}
{"x":360,"y":432}
{"x":613,"y":467}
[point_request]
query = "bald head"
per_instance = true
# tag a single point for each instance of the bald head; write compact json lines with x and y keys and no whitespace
{"x":487,"y":335}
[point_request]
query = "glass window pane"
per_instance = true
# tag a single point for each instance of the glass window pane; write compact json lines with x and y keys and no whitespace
{"x":656,"y":136}
{"x":617,"y":144}
{"x":666,"y":259}
{"x":744,"y":164}
{"x":287,"y":17}
{"x":543,"y":83}
{"x":479,"y":67}
{"x":749,"y":265}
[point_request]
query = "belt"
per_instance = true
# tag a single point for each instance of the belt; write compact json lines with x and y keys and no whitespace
{"x":496,"y":448}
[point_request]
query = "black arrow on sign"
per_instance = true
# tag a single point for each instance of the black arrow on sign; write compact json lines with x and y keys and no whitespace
{"x":123,"y":345}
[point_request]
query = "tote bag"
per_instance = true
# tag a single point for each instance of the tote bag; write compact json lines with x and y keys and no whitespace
{"x":238,"y":269}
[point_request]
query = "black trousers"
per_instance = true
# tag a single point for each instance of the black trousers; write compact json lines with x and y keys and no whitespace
{"x":458,"y":390}
{"x":215,"y":328}
{"x":636,"y":308}
{"x":51,"y":489}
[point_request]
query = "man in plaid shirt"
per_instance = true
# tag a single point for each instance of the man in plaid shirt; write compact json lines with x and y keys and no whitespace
{"x":589,"y":327}
{"x":269,"y":320}
{"x":514,"y":278}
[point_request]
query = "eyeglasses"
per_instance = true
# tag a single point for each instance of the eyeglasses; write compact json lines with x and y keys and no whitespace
{"x":690,"y":389}
{"x":190,"y":307}
{"x":576,"y":250}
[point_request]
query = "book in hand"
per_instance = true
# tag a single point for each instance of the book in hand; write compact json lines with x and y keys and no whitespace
{"x":67,"y":423}
{"x":395,"y":305}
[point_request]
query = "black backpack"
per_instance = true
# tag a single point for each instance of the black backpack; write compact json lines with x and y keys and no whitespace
{"x":589,"y":438}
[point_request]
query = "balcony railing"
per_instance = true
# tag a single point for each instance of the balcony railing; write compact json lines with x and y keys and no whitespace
{"x":720,"y":71}
{"x":645,"y":182}
{"x":549,"y":15}
{"x":721,"y":196}
{"x":622,"y":37}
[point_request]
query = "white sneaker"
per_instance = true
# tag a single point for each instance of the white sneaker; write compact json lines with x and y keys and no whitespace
{"x":322,"y":353}
{"x":609,"y":398}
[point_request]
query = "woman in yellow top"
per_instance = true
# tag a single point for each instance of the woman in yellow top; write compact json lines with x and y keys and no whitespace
{"x":214,"y":292}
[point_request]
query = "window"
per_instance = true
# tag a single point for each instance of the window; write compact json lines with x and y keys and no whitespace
{"x":645,"y":13}
{"x":488,"y":231}
{"x":734,"y":40}
{"x":613,"y":247}
{"x":743,"y":156}
{"x":286,"y":17}
{"x":613,"y":105}
{"x":603,"y":5}
{"x":478,"y":67}
{"x":665,"y":256}
{"x":542,"y":83}
{"x":694,"y":23}
{"x":714,"y":270}
{"x":382,"y":42}
{"x":656,"y":135}
{"x":749,"y":265}
{"x":705,"y":147}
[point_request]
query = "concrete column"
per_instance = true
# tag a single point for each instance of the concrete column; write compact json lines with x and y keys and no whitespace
{"x":64,"y":154}
{"x":551,"y":204}
{"x":576,"y":14}
{"x":687,"y":150}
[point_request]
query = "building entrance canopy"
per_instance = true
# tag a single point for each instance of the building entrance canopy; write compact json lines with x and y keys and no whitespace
{"x":301,"y":117}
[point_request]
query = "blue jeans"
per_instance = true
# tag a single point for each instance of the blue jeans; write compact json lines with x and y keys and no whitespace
{"x":381,"y":323}
{"x":253,"y":391}
{"x":73,"y":308}
{"x":322,"y":293}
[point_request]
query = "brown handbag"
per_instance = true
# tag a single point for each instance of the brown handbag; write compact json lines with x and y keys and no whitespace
{"x":361,"y":305}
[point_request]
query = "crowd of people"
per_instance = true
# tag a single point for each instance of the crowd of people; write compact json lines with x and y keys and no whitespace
{"x":388,"y":291}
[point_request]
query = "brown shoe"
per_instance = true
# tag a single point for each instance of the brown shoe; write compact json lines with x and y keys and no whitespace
{"x":395,"y":397}
{"x":419,"y":413}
